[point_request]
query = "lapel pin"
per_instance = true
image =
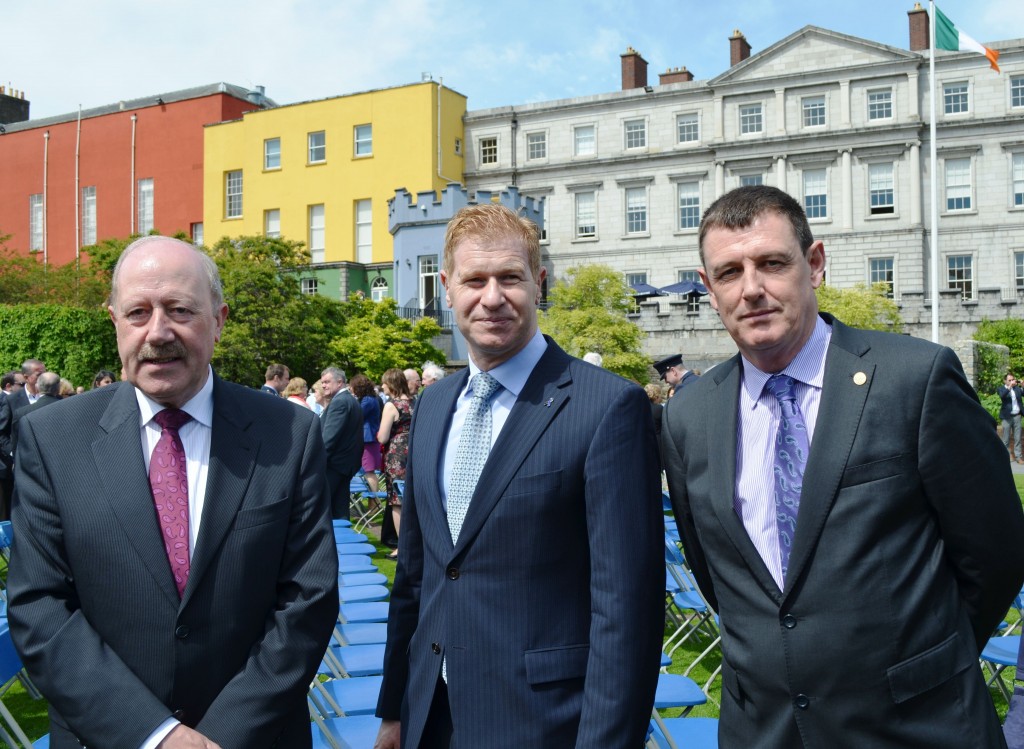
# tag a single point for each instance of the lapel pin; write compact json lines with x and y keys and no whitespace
{"x":548,"y":404}
{"x":860,"y":378}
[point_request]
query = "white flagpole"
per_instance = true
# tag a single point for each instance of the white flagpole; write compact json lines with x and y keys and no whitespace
{"x":934,"y":178}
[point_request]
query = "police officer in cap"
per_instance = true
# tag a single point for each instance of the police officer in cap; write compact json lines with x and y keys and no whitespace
{"x":674,"y":373}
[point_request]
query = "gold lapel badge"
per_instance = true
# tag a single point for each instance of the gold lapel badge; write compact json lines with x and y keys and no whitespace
{"x":860,"y":378}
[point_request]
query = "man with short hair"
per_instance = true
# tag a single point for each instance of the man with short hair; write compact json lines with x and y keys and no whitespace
{"x":431,"y":373}
{"x":175,"y":580}
{"x":674,"y":373}
{"x":1012,"y":397}
{"x":48,"y":388}
{"x":527,"y":608}
{"x":342,"y":424}
{"x":30,"y":371}
{"x":11,"y":382}
{"x":412,"y":378}
{"x":277,"y":379}
{"x":843,"y":505}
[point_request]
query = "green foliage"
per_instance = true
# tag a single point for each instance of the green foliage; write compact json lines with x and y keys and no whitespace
{"x":1009,"y":333}
{"x":991,"y":362}
{"x":25,"y":280}
{"x":374,"y":339}
{"x":862,"y":306}
{"x":992,"y":403}
{"x":588,"y":313}
{"x":72,"y":341}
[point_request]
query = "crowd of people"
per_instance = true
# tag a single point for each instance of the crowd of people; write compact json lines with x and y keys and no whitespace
{"x":841,"y":497}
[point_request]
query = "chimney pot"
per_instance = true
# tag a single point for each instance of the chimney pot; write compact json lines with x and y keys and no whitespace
{"x":920,"y":33}
{"x":634,"y":70}
{"x":739,"y":48}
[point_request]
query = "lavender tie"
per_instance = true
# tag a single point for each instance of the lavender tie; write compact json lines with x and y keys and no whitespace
{"x":791,"y":449}
{"x":168,"y":479}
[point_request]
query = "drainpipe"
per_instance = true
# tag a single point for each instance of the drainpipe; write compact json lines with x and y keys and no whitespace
{"x":515,"y":130}
{"x":78,"y":195}
{"x":46,"y":196}
{"x":131,"y":187}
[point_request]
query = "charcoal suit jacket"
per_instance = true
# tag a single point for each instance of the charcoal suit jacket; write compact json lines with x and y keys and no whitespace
{"x":909,"y":547}
{"x":549,"y":609}
{"x":94,"y":611}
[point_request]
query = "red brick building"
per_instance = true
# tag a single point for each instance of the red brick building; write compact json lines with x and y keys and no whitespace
{"x":70,"y":181}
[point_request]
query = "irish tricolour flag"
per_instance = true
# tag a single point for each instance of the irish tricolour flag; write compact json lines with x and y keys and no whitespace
{"x":948,"y":36}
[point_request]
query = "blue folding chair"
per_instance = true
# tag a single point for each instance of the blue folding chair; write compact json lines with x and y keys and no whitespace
{"x":361,"y":633}
{"x":362,"y":613}
{"x":354,"y":732}
{"x":341,"y":698}
{"x":362,"y":578}
{"x":362,"y":593}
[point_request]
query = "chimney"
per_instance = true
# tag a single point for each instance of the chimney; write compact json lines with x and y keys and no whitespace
{"x":634,"y":70}
{"x":675,"y":75}
{"x":13,"y":107}
{"x":919,"y":31}
{"x":257,"y":96}
{"x":739,"y":48}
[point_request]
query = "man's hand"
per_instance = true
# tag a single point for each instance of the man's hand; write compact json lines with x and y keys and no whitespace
{"x":389,"y":736}
{"x":183,"y":737}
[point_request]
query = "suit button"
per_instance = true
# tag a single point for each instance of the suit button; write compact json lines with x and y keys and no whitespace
{"x":802,"y":701}
{"x":179,"y":714}
{"x":453,"y":573}
{"x":436,"y":648}
{"x":182,"y":632}
{"x":789,"y":621}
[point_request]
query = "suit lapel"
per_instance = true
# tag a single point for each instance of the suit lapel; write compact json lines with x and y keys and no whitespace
{"x":232,"y":459}
{"x":721,"y":430}
{"x":127,"y":489}
{"x":432,"y":421}
{"x":546,"y":392}
{"x":842,"y":402}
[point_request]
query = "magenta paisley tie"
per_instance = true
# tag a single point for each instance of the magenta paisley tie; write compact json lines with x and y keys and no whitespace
{"x":169,"y":480}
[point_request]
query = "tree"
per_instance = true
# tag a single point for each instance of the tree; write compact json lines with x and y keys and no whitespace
{"x":1009,"y":333}
{"x":588,"y":312}
{"x":25,"y":280}
{"x":862,"y":306}
{"x":374,"y":339}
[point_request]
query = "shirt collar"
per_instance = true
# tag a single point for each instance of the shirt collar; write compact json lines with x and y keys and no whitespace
{"x":807,"y":367}
{"x":513,"y":374}
{"x":199,"y":407}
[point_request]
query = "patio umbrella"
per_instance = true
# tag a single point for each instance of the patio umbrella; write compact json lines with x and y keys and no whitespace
{"x":645,"y":291}
{"x":685,"y":287}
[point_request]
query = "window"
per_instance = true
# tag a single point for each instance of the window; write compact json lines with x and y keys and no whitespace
{"x":880,"y":104}
{"x":586,"y":214}
{"x":232,"y":195}
{"x":880,"y":189}
{"x":311,"y":286}
{"x":1017,"y":91}
{"x":543,"y":207}
{"x":364,"y":140}
{"x":364,"y":231}
{"x":636,"y":279}
{"x":584,"y":140}
{"x":429,"y":288}
{"x":636,"y":210}
{"x":458,"y":146}
{"x":317,"y":147}
{"x":536,"y":145}
{"x":197,"y":234}
{"x":635,"y":133}
{"x":815,"y":193}
{"x":316,"y":233}
{"x":272,"y":223}
{"x":272,"y":153}
{"x":379,"y":289}
{"x":954,"y":98}
{"x":35,"y":222}
{"x":958,"y":184}
{"x":748,"y":180}
{"x":145,"y":204}
{"x":689,"y":205}
{"x":687,"y":128}
{"x":1018,"y":180}
{"x":488,"y":150}
{"x":751,"y":119}
{"x":814,"y":111}
{"x":960,"y":274}
{"x":88,"y":216}
{"x":1018,"y":270}
{"x":880,"y":270}
{"x":692,"y":300}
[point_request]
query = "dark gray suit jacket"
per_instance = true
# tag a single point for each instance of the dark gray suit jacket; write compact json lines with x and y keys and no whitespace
{"x":550,"y":607}
{"x":94,"y":610}
{"x":21,"y":413}
{"x":909,"y":547}
{"x":342,"y":425}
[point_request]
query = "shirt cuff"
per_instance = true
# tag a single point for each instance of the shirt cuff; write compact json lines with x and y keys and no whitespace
{"x":160,"y":734}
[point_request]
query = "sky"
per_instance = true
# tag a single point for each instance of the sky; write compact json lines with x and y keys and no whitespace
{"x":67,"y":53}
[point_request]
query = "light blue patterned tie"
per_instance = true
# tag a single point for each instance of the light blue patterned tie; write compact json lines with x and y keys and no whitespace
{"x":791,"y":449}
{"x":474,"y":446}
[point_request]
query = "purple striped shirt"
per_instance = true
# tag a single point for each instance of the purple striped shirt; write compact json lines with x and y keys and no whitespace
{"x":757,"y":424}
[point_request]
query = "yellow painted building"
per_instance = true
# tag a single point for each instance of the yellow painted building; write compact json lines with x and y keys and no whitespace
{"x":322,"y":172}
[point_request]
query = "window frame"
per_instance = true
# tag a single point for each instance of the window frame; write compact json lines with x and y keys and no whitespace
{"x":690,"y":122}
{"x":818,"y":212}
{"x":538,"y":139}
{"x":363,"y":226}
{"x":634,"y":134}
{"x":268,"y":154}
{"x":360,"y":139}
{"x":36,"y":222}
{"x":577,"y":224}
{"x":688,"y":216}
{"x":145,"y":209}
{"x":316,"y":231}
{"x":746,"y":119}
{"x":887,"y":105}
{"x":89,"y":232}
{"x":267,"y":214}
{"x":310,"y":286}
{"x":488,"y":150}
{"x":889,"y":273}
{"x":1016,"y":84}
{"x":956,"y":103}
{"x":233,"y":197}
{"x":881,"y":209}
{"x":314,"y":149}
{"x":947,"y":185}
{"x":966,"y":285}
{"x":1017,"y":179}
{"x":576,"y":130}
{"x":820,"y":111}
{"x":638,"y":224}
{"x":1018,"y":270}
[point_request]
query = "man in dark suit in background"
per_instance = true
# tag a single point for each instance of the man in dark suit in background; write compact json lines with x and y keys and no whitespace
{"x":861,"y":627}
{"x":48,"y":388}
{"x":527,"y":609}
{"x":1010,"y":411}
{"x":276,"y":379}
{"x":29,"y":393}
{"x":174,"y":577}
{"x":342,"y":425}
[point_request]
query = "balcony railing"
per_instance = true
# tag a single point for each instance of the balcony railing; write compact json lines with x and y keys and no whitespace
{"x":443,"y":317}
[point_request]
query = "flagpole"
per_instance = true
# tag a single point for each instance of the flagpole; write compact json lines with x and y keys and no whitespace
{"x":934,"y":177}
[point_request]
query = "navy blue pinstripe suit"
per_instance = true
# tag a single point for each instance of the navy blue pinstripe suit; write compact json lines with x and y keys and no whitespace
{"x":549,"y":608}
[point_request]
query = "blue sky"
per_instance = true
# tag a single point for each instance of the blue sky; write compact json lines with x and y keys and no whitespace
{"x":63,"y":53}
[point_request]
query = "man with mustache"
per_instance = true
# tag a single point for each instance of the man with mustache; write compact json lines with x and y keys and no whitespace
{"x":175,"y":579}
